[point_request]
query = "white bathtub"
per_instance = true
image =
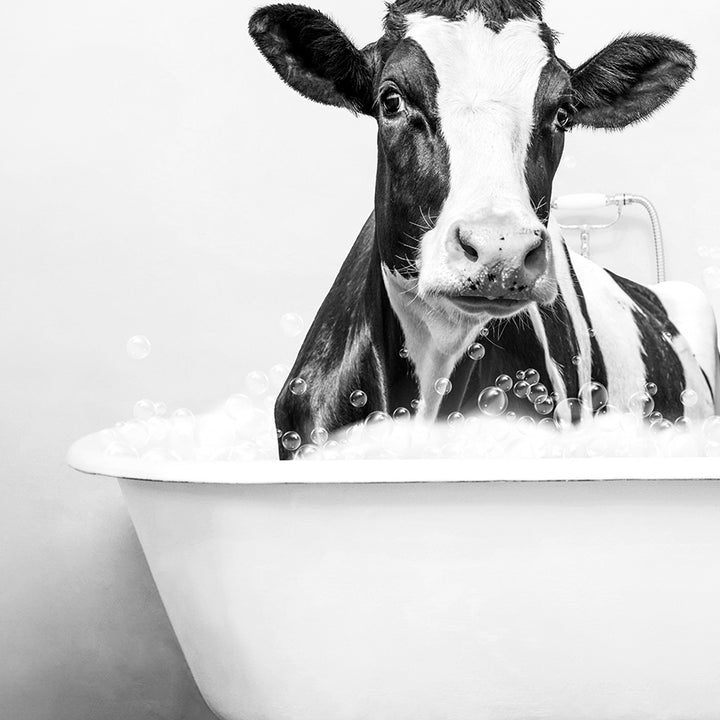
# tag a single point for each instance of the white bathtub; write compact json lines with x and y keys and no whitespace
{"x":431,"y":590}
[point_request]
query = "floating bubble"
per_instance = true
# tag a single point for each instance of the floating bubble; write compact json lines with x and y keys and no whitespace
{"x":298,"y":387}
{"x":532,"y":377}
{"x":320,"y":436}
{"x":379,"y":426}
{"x":456,"y":419}
{"x":683,"y":424}
{"x":292,"y":325}
{"x":306,"y":451}
{"x":511,"y":417}
{"x":521,"y":389}
{"x":594,"y":396}
{"x":120,"y":450}
{"x":476,"y":351}
{"x":568,"y":413}
{"x":520,"y":375}
{"x":555,"y":397}
{"x":485,"y":332}
{"x":577,"y":360}
{"x":662,"y":426}
{"x":689,"y":398}
{"x":548,"y":424}
{"x":183,"y":421}
{"x":656,"y":417}
{"x":277,"y":376}
{"x":668,"y":336}
{"x":257,"y":383}
{"x":404,"y":353}
{"x":493,"y":402}
{"x":711,"y":277}
{"x":591,"y":332}
{"x":526,"y":425}
{"x":291,"y":441}
{"x":641,"y":404}
{"x":239,"y":407}
{"x":415,"y":404}
{"x":331,"y":451}
{"x":544,"y":406}
{"x":161,"y":409}
{"x":443,"y":386}
{"x":537,"y":392}
{"x":144,"y":410}
{"x":651,"y":389}
{"x":138,"y":347}
{"x":358,"y":399}
{"x":504,"y":382}
{"x":401,"y":414}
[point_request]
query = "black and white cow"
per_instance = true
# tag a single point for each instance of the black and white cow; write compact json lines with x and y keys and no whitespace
{"x":472,"y":106}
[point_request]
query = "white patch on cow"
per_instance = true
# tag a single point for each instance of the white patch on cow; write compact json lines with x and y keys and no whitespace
{"x":435,"y":344}
{"x":486,"y":95}
{"x":556,"y":378}
{"x":610,"y":311}
{"x":565,"y":282}
{"x":692,"y":314}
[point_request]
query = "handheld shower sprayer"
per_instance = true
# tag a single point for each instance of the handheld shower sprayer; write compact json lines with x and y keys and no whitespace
{"x":594,"y":201}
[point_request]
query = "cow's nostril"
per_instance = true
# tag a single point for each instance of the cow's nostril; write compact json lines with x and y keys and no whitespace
{"x":535,"y":260}
{"x":463,"y":240}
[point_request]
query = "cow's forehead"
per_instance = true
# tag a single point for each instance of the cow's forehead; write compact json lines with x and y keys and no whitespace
{"x":475,"y":64}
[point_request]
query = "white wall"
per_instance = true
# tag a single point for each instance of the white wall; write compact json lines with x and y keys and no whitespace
{"x":158,"y":178}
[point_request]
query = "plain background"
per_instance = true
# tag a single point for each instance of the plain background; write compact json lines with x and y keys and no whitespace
{"x":157,"y":178}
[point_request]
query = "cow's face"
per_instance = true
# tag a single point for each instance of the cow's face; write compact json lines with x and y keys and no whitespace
{"x":472,"y":106}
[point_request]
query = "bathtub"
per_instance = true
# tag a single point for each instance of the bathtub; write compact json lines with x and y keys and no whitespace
{"x":436,"y":590}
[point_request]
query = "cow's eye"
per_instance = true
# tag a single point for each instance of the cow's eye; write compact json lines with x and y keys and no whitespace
{"x":392,"y":102}
{"x":564,"y":117}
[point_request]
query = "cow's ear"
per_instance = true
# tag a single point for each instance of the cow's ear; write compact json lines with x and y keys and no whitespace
{"x":313,"y":55}
{"x":630,"y":79}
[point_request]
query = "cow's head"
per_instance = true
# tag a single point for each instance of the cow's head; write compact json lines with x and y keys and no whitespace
{"x":472,"y":106}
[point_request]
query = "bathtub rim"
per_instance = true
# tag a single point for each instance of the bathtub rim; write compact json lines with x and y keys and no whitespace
{"x":87,"y":456}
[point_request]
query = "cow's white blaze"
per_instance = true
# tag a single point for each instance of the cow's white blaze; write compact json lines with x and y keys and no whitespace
{"x":487,"y":87}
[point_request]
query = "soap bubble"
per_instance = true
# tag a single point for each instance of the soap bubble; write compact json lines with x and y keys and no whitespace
{"x":401,"y":414}
{"x":594,"y":396}
{"x":183,"y":421}
{"x":144,"y":410}
{"x":683,"y":424}
{"x":138,"y":347}
{"x":291,"y":441}
{"x":656,"y":417}
{"x":641,"y":404}
{"x":511,"y":417}
{"x":278,"y":375}
{"x":485,"y":332}
{"x":292,"y":325}
{"x":493,"y":402}
{"x":404,"y":353}
{"x":161,"y":409}
{"x":689,"y":398}
{"x":532,"y":377}
{"x":476,"y":351}
{"x":544,"y":406}
{"x":239,"y":407}
{"x":568,"y":413}
{"x":257,"y":383}
{"x":134,"y":433}
{"x":662,"y":426}
{"x":521,"y":389}
{"x":415,"y":404}
{"x":331,"y":451}
{"x":526,"y":425}
{"x":504,"y":382}
{"x":577,"y":360}
{"x":443,"y":386}
{"x":358,"y":399}
{"x":379,"y":426}
{"x":651,"y":389}
{"x":591,"y":332}
{"x":520,"y":375}
{"x":298,"y":386}
{"x":547,"y":424}
{"x":306,"y":451}
{"x":456,"y":419}
{"x":320,"y":436}
{"x":537,"y":392}
{"x":711,"y":277}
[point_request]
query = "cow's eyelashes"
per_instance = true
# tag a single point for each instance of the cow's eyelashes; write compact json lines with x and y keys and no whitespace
{"x":564,"y":117}
{"x":392,"y":102}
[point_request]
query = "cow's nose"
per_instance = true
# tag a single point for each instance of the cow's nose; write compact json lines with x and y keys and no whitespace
{"x":503,"y":259}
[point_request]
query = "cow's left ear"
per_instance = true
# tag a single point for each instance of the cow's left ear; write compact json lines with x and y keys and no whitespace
{"x":630,"y":79}
{"x":314,"y":56}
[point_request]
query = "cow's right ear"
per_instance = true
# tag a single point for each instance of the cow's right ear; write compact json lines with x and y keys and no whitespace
{"x":313,"y":55}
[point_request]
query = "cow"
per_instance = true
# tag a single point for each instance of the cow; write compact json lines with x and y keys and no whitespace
{"x":472,"y":106}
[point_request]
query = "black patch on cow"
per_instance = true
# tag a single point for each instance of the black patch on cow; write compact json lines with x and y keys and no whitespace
{"x":663,"y":366}
{"x":598,"y":370}
{"x":413,"y":171}
{"x":630,"y":79}
{"x":353,"y":344}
